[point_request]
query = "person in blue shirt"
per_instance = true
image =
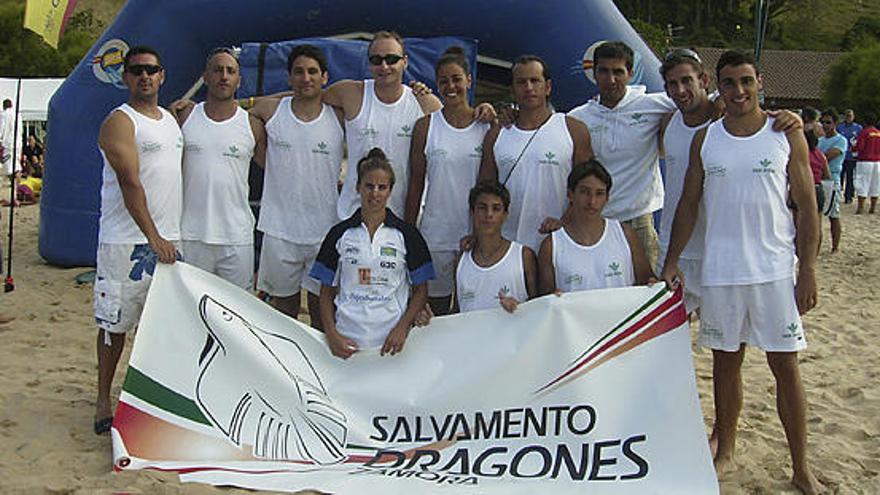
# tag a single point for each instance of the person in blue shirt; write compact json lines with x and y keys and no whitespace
{"x":850,"y":129}
{"x":835,"y":147}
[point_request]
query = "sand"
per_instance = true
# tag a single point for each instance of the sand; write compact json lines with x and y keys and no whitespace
{"x":48,"y":381}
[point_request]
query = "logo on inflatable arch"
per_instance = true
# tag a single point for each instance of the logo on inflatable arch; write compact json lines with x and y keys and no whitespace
{"x":587,"y":64}
{"x":107,"y":63}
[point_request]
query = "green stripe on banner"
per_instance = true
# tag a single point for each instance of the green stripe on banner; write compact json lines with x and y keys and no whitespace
{"x":153,"y":392}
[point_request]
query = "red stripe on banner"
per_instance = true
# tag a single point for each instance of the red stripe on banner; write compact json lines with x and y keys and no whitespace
{"x":71,"y":4}
{"x":680,"y":315}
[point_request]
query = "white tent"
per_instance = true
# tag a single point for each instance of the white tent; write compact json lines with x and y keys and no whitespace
{"x":35,"y":96}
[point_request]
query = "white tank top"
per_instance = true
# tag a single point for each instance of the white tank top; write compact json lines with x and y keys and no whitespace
{"x":749,"y":228}
{"x":303,"y":160}
{"x":453,"y":163}
{"x":160,"y":149}
{"x":537,"y":183}
{"x":387,"y":126}
{"x":606,"y":264}
{"x":677,"y":143}
{"x":477,"y":287}
{"x":216,"y":161}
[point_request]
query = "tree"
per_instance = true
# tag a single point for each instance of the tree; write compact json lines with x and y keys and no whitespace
{"x":854,"y":81}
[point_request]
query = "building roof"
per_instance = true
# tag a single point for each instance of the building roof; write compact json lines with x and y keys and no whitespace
{"x":788,"y":74}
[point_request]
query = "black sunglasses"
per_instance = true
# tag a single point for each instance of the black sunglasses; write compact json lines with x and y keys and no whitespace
{"x":826,"y":122}
{"x":139,"y":69}
{"x":684,"y":53}
{"x":389,"y":59}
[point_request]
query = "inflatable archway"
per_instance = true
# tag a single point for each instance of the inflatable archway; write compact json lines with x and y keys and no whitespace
{"x":183,"y":32}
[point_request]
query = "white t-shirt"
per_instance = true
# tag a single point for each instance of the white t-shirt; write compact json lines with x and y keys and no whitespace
{"x":216,"y":161}
{"x":477,"y":288}
{"x":160,"y":150}
{"x":606,"y":264}
{"x":373,"y":276}
{"x":624,"y":139}
{"x":677,"y":143}
{"x":387,"y":126}
{"x":537,"y":182}
{"x":749,"y":228}
{"x":303,"y":160}
{"x":453,"y":163}
{"x":7,"y":136}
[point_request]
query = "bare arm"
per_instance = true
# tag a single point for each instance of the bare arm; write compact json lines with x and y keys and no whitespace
{"x":264,"y":109}
{"x":259,"y":131}
{"x":488,"y":168}
{"x":417,"y":168}
{"x":662,"y":132}
{"x":347,"y":95}
{"x":340,"y":346}
{"x":832,"y":153}
{"x":456,"y":260}
{"x":802,"y":193}
{"x":686,"y":213}
{"x":580,"y":136}
{"x":641,"y":265}
{"x":116,"y":139}
{"x":530,"y":269}
{"x":546,"y":271}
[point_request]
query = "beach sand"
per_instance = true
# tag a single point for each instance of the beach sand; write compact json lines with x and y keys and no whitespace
{"x":47,"y":385}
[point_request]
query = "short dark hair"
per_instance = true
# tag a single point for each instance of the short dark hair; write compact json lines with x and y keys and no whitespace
{"x":589,"y":168}
{"x":735,"y":58}
{"x":375,"y":160}
{"x":614,"y":49}
{"x":869,"y":117}
{"x":310,"y":51}
{"x":812,"y":140}
{"x":7,"y":103}
{"x":492,"y":187}
{"x":831,"y":112}
{"x":221,"y":49}
{"x":524,"y":59}
{"x":454,"y":55}
{"x":140,"y":50}
{"x":682,"y":56}
{"x":810,"y":114}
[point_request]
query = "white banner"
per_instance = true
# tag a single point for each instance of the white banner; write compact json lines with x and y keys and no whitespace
{"x":588,"y":392}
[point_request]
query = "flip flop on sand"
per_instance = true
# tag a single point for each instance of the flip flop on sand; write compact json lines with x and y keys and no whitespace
{"x":103,"y":425}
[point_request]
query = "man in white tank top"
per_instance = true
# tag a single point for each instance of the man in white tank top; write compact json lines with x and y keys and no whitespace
{"x":496,"y":271}
{"x":303,"y":161}
{"x":750,"y":294}
{"x":379,"y":112}
{"x":533,"y":157}
{"x":220,"y":138}
{"x":140,"y":212}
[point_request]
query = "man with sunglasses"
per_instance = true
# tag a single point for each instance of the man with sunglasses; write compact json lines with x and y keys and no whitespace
{"x":834,"y":145}
{"x":141,"y":145}
{"x":220,"y":138}
{"x":379,"y":112}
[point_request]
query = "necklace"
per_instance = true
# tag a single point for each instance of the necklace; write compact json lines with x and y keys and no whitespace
{"x":485,"y":260}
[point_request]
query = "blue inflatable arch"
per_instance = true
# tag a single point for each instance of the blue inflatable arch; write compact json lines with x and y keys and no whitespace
{"x":183,"y":32}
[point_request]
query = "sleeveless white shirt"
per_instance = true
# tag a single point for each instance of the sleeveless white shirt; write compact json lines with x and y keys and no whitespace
{"x":453,"y":163}
{"x":477,"y":287}
{"x":303,"y":160}
{"x":537,"y":183}
{"x":749,"y":228}
{"x":160,"y":149}
{"x":677,"y":143}
{"x":216,"y":161}
{"x":388,"y":126}
{"x":608,"y":263}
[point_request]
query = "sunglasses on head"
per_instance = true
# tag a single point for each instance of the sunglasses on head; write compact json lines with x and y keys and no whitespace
{"x":684,"y":53}
{"x":139,"y":69}
{"x":389,"y":59}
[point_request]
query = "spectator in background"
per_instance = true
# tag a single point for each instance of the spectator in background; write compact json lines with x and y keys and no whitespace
{"x":811,"y":121}
{"x":867,"y":149}
{"x":32,"y":156}
{"x":849,"y":129}
{"x":835,"y":148}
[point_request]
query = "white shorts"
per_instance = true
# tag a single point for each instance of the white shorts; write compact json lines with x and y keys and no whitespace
{"x":761,"y":315}
{"x":284,"y":267}
{"x":235,"y":264}
{"x":832,"y":198}
{"x":122,"y":279}
{"x":867,"y":181}
{"x":693,"y":276}
{"x":444,"y":268}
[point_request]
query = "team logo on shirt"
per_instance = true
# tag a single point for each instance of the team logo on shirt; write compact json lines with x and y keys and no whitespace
{"x":467,"y":295}
{"x":549,"y":159}
{"x":613,"y":270}
{"x":505,"y":291}
{"x":364,"y":277}
{"x":439,"y":153}
{"x":192,"y":147}
{"x":637,"y":119}
{"x":387,"y":251}
{"x":321,"y":149}
{"x":477,"y":153}
{"x":574,"y":279}
{"x":280,"y":143}
{"x":764,"y":166}
{"x":232,"y":152}
{"x":368,"y":132}
{"x":405,"y":131}
{"x":716,"y":170}
{"x":151,"y":147}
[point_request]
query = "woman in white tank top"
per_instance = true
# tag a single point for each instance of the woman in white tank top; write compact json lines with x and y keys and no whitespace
{"x":590,"y":251}
{"x":446,"y":150}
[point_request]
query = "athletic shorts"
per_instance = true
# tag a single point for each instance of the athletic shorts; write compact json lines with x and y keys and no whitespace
{"x":444,"y":267}
{"x":643,"y":226}
{"x":235,"y":263}
{"x":122,"y":279}
{"x":761,"y":315}
{"x":693,"y":276}
{"x":867,"y":181}
{"x":284,"y":267}
{"x":832,"y":198}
